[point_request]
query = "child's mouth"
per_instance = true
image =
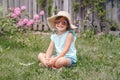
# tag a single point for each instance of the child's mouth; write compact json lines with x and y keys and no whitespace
{"x":60,"y":27}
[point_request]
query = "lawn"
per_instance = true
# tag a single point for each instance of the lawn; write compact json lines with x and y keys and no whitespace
{"x":98,"y":58}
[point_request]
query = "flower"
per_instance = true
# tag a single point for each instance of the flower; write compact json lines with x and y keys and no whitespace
{"x":13,"y":15}
{"x":17,"y":11}
{"x":36,"y":17}
{"x":30,"y":23}
{"x":23,"y":8}
{"x":25,"y":20}
{"x":20,"y":23}
{"x":42,"y":12}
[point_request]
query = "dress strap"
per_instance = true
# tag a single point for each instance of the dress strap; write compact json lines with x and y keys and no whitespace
{"x":73,"y":32}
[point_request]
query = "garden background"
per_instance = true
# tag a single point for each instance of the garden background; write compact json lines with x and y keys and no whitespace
{"x":24,"y":33}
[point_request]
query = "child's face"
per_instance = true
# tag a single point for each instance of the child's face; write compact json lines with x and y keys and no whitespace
{"x":61,"y":24}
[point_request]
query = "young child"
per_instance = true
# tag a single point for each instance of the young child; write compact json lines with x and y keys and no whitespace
{"x":63,"y":41}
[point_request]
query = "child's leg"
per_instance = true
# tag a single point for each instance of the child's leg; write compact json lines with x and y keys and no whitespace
{"x":41,"y":58}
{"x":62,"y":62}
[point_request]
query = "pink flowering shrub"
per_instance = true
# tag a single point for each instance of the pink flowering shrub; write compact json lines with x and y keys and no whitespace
{"x":23,"y":8}
{"x":42,"y":12}
{"x":17,"y":19}
{"x":25,"y":23}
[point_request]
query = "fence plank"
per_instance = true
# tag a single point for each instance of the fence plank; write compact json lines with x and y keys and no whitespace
{"x":53,"y":8}
{"x":34,"y":12}
{"x":17,"y":3}
{"x":5,"y":7}
{"x":66,"y":5}
{"x":0,"y":3}
{"x":34,"y":7}
{"x":38,"y":11}
{"x":30,"y":9}
{"x":25,"y":3}
{"x":11,"y":3}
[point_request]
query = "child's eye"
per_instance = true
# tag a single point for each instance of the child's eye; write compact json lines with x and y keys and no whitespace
{"x":63,"y":22}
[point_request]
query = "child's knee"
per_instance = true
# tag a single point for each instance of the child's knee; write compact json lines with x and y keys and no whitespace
{"x":59,"y":63}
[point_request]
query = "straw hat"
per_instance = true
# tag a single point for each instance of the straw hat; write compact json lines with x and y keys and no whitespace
{"x":51,"y":20}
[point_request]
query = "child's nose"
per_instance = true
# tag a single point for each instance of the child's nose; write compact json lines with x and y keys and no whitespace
{"x":60,"y":23}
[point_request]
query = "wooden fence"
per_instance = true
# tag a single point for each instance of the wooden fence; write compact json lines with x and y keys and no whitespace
{"x":32,"y":7}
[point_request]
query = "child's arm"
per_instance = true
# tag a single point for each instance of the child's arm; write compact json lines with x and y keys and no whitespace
{"x":49,"y":50}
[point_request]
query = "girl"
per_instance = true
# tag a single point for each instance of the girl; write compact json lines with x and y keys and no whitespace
{"x":63,"y":41}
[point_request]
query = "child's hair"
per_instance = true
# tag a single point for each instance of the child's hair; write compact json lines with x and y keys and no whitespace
{"x":59,"y":17}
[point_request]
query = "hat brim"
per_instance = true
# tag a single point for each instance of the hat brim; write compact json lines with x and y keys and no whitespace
{"x":51,"y":21}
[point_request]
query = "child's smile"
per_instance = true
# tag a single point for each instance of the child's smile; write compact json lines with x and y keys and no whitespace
{"x":61,"y":28}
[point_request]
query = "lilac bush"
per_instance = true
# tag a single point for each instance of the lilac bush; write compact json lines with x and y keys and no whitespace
{"x":25,"y":22}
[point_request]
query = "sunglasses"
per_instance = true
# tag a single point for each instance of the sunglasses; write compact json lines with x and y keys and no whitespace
{"x":63,"y":22}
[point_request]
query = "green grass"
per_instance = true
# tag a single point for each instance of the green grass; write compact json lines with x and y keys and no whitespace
{"x":98,"y":58}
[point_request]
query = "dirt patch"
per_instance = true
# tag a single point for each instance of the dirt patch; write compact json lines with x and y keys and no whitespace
{"x":42,"y":33}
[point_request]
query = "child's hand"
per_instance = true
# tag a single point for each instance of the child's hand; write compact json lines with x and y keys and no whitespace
{"x":47,"y":61}
{"x":51,"y":62}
